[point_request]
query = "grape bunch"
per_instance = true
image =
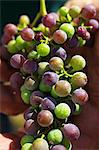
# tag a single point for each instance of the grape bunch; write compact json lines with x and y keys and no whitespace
{"x":50,"y":83}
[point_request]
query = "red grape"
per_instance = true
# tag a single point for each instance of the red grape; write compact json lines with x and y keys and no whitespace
{"x":27,"y":34}
{"x":58,"y":147}
{"x":82,"y":32}
{"x":94,"y":23}
{"x":80,"y":96}
{"x":45,"y":118}
{"x":59,"y":36}
{"x":89,"y":11}
{"x":71,"y":131}
{"x":10,"y":29}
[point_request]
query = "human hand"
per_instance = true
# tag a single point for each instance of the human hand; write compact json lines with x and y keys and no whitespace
{"x":88,"y":120}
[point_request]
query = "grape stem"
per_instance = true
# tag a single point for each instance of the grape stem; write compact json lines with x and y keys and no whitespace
{"x":41,"y":13}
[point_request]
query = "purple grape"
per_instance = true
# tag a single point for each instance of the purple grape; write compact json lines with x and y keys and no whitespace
{"x":80,"y":96}
{"x":29,"y":66}
{"x":31,"y":127}
{"x":58,"y":147}
{"x":47,"y":104}
{"x":82,"y":32}
{"x":94,"y":23}
{"x":37,"y":93}
{"x":59,"y":36}
{"x":61,"y":53}
{"x":49,"y":20}
{"x":38,"y":36}
{"x":89,"y":11}
{"x":6,"y":38}
{"x":55,"y":15}
{"x":73,"y":42}
{"x":27,"y":34}
{"x":35,"y":100}
{"x":17,"y":61}
{"x":10,"y":29}
{"x":30,"y":114}
{"x":16,"y":80}
{"x":50,"y":78}
{"x":71,"y":131}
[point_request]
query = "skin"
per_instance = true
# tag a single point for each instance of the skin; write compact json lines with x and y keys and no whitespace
{"x":88,"y":120}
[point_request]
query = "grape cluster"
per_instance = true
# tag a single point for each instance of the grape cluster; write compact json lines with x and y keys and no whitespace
{"x":50,"y":83}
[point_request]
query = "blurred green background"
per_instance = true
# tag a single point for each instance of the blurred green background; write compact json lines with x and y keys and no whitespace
{"x":10,"y":11}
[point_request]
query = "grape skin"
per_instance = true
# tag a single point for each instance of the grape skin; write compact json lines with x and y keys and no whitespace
{"x":40,"y":144}
{"x":27,"y":34}
{"x":10,"y":29}
{"x":71,"y":131}
{"x":16,"y":80}
{"x":80,"y":96}
{"x":58,"y":147}
{"x":17,"y":61}
{"x":59,"y":36}
{"x":47,"y":104}
{"x":50,"y":78}
{"x":45,"y":118}
{"x":61,"y":53}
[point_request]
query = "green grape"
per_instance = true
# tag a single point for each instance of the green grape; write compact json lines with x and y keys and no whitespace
{"x":62,"y":88}
{"x":44,"y":88}
{"x":25,"y":95}
{"x":53,"y":93}
{"x":62,"y":111}
{"x":42,"y":67}
{"x":11,"y":47}
{"x":27,"y":146}
{"x":23,"y":88}
{"x":40,"y":144}
{"x":63,"y":11}
{"x":19,"y":43}
{"x":67,"y":144}
{"x":33,"y":55}
{"x":74,"y":11}
{"x":68,"y":28}
{"x":43,"y":49}
{"x":31,"y":83}
{"x":24,"y":19}
{"x":81,"y":41}
{"x":77,"y":62}
{"x":78,"y":109}
{"x":55,"y":136}
{"x":26,"y":139}
{"x":56,"y":63}
{"x":79,"y":79}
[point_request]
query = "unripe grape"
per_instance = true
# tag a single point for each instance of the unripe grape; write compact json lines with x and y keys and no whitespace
{"x":44,"y":87}
{"x":53,"y":93}
{"x":27,"y":146}
{"x":45,"y":118}
{"x":26,"y":139}
{"x":80,"y":96}
{"x":77,"y":110}
{"x":74,"y":11}
{"x":62,"y":111}
{"x":56,"y":63}
{"x":63,"y":11}
{"x":31,"y":83}
{"x":43,"y":49}
{"x":11,"y":47}
{"x":77,"y":62}
{"x":68,"y":28}
{"x":24,"y":19}
{"x":79,"y":79}
{"x":55,"y":136}
{"x":42,"y":67}
{"x":19,"y":43}
{"x":40,"y":144}
{"x":25,"y":95}
{"x":59,"y":36}
{"x":62,"y":88}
